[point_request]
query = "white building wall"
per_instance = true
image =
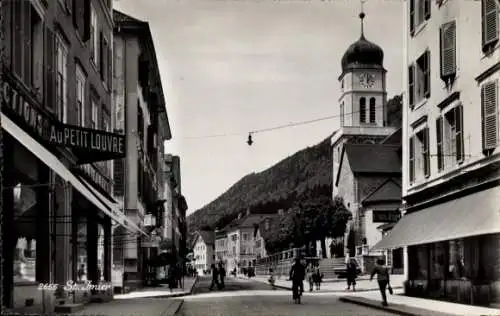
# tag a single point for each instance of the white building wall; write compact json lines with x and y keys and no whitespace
{"x":471,"y":62}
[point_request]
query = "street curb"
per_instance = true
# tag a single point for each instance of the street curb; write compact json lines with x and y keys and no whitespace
{"x":178,"y":309}
{"x":393,"y":309}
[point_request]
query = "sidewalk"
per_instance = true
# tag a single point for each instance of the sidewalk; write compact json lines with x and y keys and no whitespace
{"x":142,"y":302}
{"x":338,"y":285}
{"x":160,"y":291}
{"x":412,"y":306}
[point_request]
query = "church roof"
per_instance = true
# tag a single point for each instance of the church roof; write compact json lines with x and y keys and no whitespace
{"x":387,"y":191}
{"x":373,"y":158}
{"x":362,"y":53}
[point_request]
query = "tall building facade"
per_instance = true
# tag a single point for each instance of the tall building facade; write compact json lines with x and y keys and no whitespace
{"x":58,"y":143}
{"x":451,"y":158}
{"x":140,"y":114}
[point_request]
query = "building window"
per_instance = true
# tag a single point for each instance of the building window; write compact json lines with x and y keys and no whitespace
{"x":372,"y":110}
{"x":419,"y":79}
{"x":61,"y":79}
{"x":489,"y":110}
{"x":420,"y":11}
{"x":342,"y":114}
{"x":80,"y":97}
{"x":94,"y":36}
{"x":36,"y":56}
{"x":95,"y":116}
{"x":448,"y":42}
{"x":490,"y":24}
{"x":453,"y":141}
{"x":362,"y":110}
{"x":419,"y":163}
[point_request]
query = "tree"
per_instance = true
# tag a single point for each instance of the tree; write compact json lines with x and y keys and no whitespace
{"x":394,"y":111}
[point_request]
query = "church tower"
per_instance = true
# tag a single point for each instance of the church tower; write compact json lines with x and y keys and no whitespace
{"x":363,"y":98}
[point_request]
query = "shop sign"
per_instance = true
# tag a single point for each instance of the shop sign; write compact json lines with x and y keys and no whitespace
{"x":391,"y":216}
{"x":55,"y":132}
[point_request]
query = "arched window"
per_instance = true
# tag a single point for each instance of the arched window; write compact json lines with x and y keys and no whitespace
{"x":372,"y":110}
{"x":362,"y":110}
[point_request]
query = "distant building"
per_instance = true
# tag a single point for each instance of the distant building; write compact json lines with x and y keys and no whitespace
{"x":241,"y":252}
{"x":204,"y":251}
{"x":366,"y":170}
{"x":451,"y":225}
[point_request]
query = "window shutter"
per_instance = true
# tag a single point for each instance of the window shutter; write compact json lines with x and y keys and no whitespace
{"x":26,"y":41}
{"x":411,"y":148}
{"x":110,"y":67}
{"x":427,"y":9}
{"x":101,"y":55}
{"x":50,"y":69}
{"x":411,"y":85}
{"x":490,"y":22}
{"x":427,"y":74}
{"x":426,"y":154}
{"x":439,"y":142}
{"x":448,"y":49}
{"x":459,"y":133}
{"x":412,"y":17}
{"x":119,"y":177}
{"x":7,"y":10}
{"x":86,"y":20}
{"x":17,"y":33}
{"x":489,"y":105}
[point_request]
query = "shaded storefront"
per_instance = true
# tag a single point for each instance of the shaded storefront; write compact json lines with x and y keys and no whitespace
{"x":56,"y":224}
{"x":453,"y":248}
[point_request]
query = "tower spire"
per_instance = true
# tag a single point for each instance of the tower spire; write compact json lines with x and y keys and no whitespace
{"x":362,"y":17}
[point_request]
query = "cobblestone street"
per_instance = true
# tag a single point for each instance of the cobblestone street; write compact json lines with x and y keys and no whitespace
{"x":248,"y":297}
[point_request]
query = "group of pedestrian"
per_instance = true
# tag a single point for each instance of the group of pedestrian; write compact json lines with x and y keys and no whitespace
{"x":218,"y":276}
{"x":175,"y":276}
{"x":299,"y":272}
{"x":314,"y":276}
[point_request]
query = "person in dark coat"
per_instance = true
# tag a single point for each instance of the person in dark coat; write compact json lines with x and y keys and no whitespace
{"x":352,"y":273}
{"x":215,"y":277}
{"x":172,"y":278}
{"x":222,"y":275}
{"x":297,"y":275}
{"x":382,"y":273}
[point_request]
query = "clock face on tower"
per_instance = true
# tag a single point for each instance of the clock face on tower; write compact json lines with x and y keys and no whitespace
{"x":366,"y":80}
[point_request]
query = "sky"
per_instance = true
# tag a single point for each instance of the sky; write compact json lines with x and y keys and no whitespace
{"x":229,"y":67}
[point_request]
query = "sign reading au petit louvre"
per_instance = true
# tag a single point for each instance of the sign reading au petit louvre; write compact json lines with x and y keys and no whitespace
{"x":89,"y":145}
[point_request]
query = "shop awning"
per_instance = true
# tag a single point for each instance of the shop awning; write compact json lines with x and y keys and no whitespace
{"x":58,"y":167}
{"x":113,"y":208}
{"x":472,"y":215}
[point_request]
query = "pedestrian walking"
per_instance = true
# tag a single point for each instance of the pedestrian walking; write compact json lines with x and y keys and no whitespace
{"x":383,"y":279}
{"x":172,"y":280}
{"x":317,"y":277}
{"x":179,"y":274}
{"x":271,"y":278}
{"x":309,"y":276}
{"x":222,"y":275}
{"x":297,"y":275}
{"x":215,"y":277}
{"x":352,"y":273}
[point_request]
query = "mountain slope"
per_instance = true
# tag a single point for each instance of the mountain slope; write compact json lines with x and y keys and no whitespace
{"x":309,"y":170}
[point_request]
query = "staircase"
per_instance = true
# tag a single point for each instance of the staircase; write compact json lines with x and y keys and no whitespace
{"x":330,"y":267}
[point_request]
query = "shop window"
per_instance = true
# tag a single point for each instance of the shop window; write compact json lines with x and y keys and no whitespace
{"x":25,"y":252}
{"x":438,"y":260}
{"x":456,"y":264}
{"x":419,"y":262}
{"x":81,"y":239}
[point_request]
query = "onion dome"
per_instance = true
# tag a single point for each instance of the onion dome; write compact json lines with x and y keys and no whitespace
{"x":363,"y":53}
